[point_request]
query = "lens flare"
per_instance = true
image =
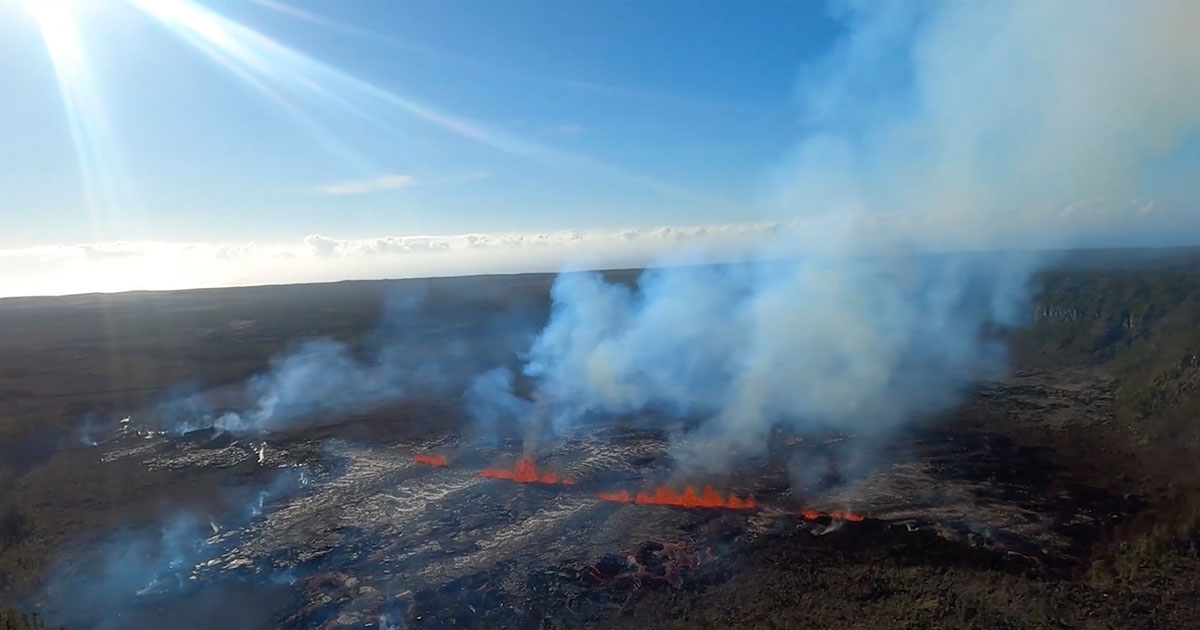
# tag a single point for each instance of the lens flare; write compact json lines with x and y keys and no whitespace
{"x":304,"y":84}
{"x":56,"y":20}
{"x":310,"y":89}
{"x":100,"y":163}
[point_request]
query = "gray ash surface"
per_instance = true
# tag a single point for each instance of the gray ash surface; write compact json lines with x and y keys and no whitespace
{"x":354,"y":533}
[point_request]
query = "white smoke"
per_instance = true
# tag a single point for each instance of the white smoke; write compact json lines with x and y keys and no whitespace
{"x":974,"y":124}
{"x":319,"y":381}
{"x":931,"y":128}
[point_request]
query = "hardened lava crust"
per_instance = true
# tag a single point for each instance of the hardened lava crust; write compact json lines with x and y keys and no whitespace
{"x":350,"y":533}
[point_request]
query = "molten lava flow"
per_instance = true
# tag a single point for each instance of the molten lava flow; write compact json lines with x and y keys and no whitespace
{"x":525,"y":471}
{"x":616,"y":497}
{"x":812,"y":515}
{"x":431,"y":460}
{"x":707,"y":499}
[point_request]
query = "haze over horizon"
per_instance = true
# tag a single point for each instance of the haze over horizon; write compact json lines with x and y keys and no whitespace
{"x":169,"y":144}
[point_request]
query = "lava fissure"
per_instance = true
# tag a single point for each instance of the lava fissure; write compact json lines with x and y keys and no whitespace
{"x":837,"y":515}
{"x":525,"y":471}
{"x":706,"y":499}
{"x":437,"y":461}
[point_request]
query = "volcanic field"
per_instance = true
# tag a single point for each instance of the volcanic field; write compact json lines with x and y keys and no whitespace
{"x":441,"y":533}
{"x":1032,"y":503}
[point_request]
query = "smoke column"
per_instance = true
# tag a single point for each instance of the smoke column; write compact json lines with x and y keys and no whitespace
{"x":131,"y":577}
{"x":949,"y":127}
{"x":431,"y":339}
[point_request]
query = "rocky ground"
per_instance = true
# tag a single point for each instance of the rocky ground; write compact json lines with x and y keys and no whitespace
{"x":350,"y":533}
{"x":1066,"y":495}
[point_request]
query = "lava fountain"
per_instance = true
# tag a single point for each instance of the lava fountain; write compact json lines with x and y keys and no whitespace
{"x":525,"y":471}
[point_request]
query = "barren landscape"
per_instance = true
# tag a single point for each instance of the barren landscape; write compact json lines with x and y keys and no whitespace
{"x":1059,"y":495}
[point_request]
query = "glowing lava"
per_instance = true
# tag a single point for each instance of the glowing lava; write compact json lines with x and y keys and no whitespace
{"x":707,"y":499}
{"x":812,"y":515}
{"x":525,"y":471}
{"x":847,"y":516}
{"x":436,"y":461}
{"x":616,"y":497}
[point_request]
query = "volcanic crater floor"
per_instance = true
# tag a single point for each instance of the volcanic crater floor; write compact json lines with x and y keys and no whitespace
{"x":354,"y":533}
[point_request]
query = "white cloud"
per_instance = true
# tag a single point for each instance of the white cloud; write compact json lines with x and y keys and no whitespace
{"x":325,"y":247}
{"x":124,"y":266}
{"x":156,"y":265}
{"x":363,"y":186}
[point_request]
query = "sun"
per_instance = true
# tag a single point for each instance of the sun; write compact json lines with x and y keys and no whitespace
{"x":57,"y":21}
{"x":55,"y":18}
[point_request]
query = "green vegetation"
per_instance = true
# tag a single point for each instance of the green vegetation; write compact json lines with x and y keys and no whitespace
{"x":1142,"y":326}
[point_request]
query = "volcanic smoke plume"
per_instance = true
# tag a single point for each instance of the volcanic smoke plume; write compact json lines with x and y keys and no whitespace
{"x":407,"y":355}
{"x":854,"y":319}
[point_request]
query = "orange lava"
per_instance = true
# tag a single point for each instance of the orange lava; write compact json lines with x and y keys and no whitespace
{"x":616,"y":497}
{"x":436,"y":461}
{"x":708,"y":499}
{"x":525,"y":471}
{"x":848,"y":516}
{"x":812,"y":515}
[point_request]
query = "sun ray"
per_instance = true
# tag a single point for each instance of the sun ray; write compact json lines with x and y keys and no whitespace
{"x":301,"y":83}
{"x":106,"y":189}
{"x":306,"y":88}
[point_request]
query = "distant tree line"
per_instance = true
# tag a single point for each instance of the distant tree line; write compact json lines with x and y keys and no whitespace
{"x":15,"y":525}
{"x":12,"y":620}
{"x":16,"y":528}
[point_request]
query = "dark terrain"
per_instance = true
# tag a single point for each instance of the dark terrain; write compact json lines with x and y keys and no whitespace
{"x":1065,"y":496}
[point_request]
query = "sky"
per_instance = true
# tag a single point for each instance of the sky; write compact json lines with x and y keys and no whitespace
{"x":635,"y":114}
{"x":179,"y":143}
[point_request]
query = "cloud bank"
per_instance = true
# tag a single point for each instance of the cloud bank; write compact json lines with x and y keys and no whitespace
{"x":159,"y":265}
{"x":153,"y":265}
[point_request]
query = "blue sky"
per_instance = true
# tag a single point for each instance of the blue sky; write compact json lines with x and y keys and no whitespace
{"x":179,"y":143}
{"x":681,"y":107}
